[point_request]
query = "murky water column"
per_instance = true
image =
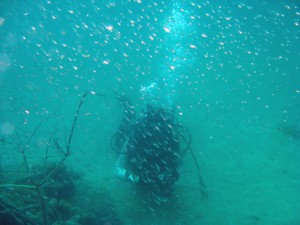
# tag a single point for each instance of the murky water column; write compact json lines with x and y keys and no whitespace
{"x":176,"y":46}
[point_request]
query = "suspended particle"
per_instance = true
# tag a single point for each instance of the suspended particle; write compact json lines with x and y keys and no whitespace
{"x":109,"y":27}
{"x":167,"y":29}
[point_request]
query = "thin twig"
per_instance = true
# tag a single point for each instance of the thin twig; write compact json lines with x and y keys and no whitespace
{"x":75,"y":118}
{"x":201,"y":182}
{"x":68,"y":152}
{"x":16,"y":186}
{"x":33,"y":133}
{"x":36,"y":187}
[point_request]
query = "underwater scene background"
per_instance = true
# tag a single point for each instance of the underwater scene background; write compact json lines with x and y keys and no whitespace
{"x":229,"y":68}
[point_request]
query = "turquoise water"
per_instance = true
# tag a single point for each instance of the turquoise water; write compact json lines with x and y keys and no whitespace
{"x":230,"y":68}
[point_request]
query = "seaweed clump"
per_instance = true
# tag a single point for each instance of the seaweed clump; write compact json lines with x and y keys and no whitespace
{"x":47,"y":194}
{"x":20,"y":203}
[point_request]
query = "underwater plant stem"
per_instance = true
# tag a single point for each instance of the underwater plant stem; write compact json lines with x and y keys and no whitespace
{"x":75,"y":119}
{"x":34,"y":185}
{"x":68,"y":152}
{"x":73,"y":125}
{"x":16,"y":186}
{"x":201,"y":182}
{"x":33,"y":133}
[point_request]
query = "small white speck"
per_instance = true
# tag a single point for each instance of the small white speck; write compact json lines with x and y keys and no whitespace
{"x":27,"y":111}
{"x":167,"y":29}
{"x":109,"y":27}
